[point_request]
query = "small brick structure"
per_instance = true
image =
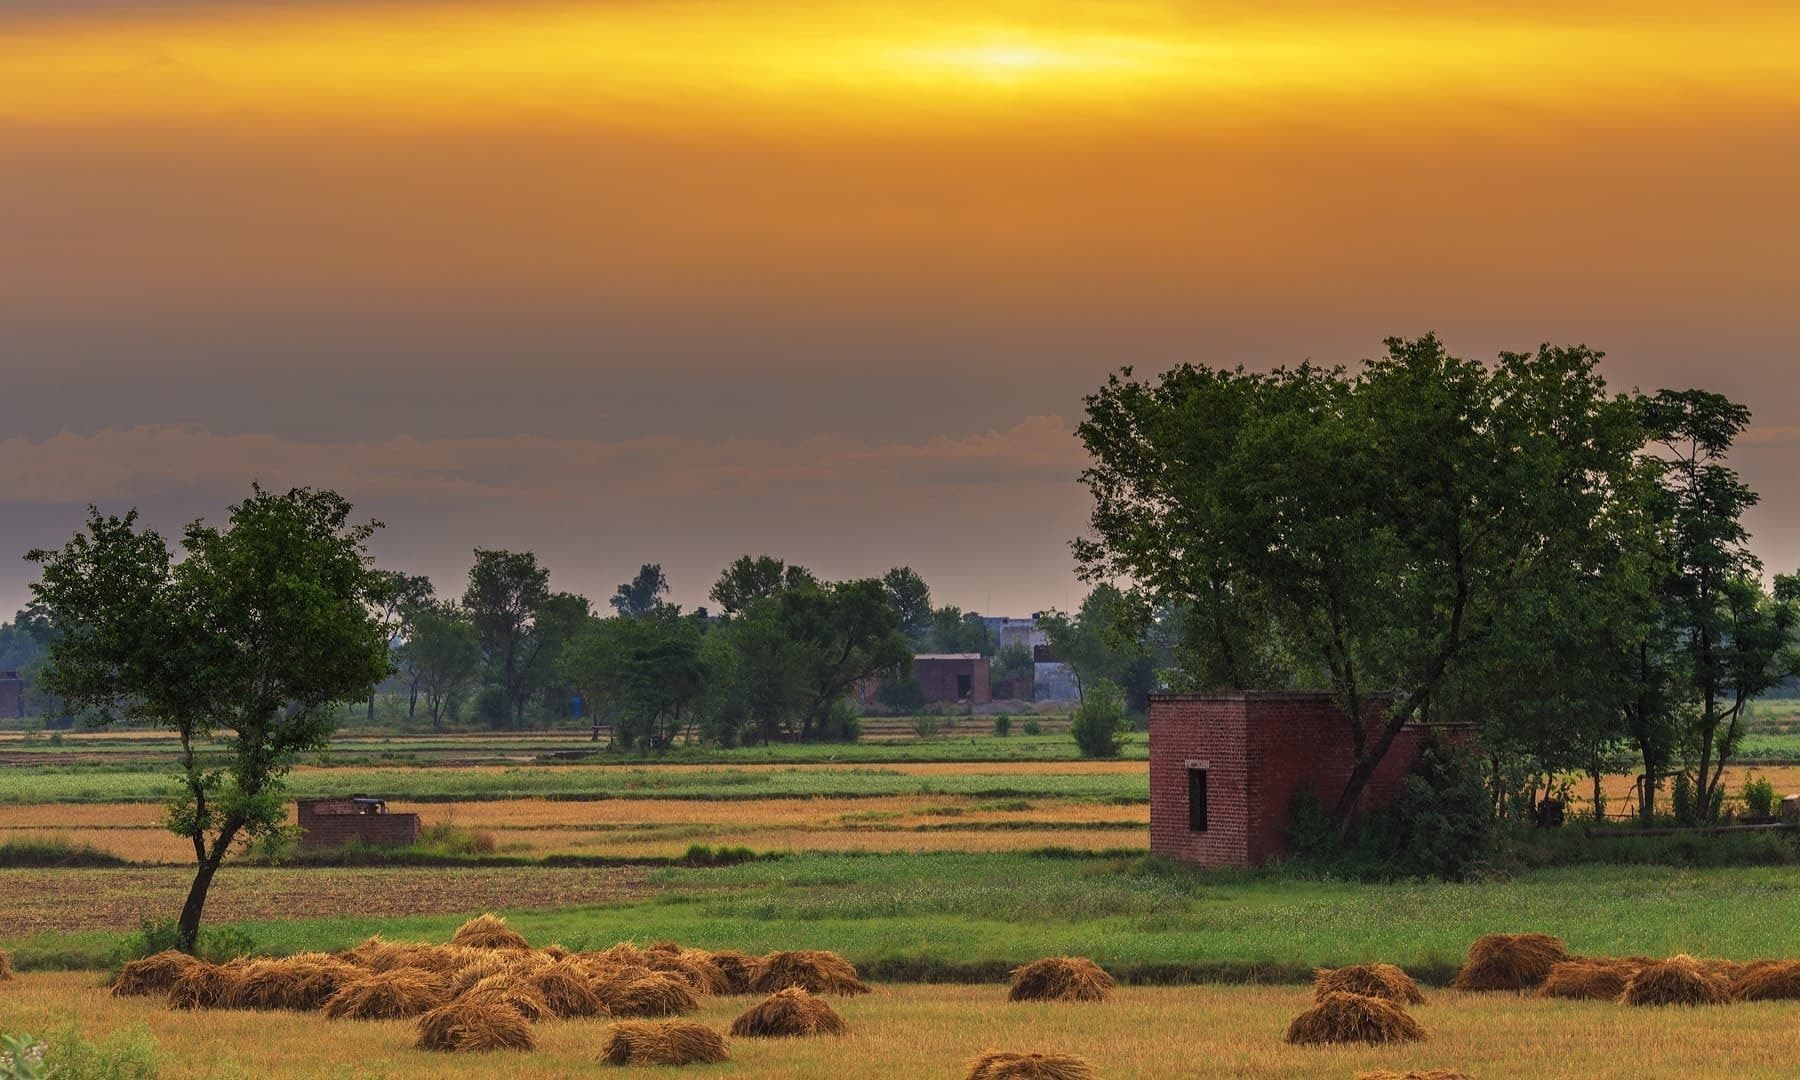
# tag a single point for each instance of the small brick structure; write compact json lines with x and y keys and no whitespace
{"x":956,"y":678}
{"x":12,"y":694}
{"x":1224,"y":768}
{"x":330,"y":823}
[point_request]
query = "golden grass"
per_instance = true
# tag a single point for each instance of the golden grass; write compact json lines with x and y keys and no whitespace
{"x":6,"y":973}
{"x":1339,"y":1017}
{"x":1060,"y":978}
{"x":1372,"y":980}
{"x":1414,"y":1074}
{"x":788,"y":1013}
{"x":663,"y":1042}
{"x":1214,"y":1032}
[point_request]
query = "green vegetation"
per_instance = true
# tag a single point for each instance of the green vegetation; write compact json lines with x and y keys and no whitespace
{"x":53,"y":850}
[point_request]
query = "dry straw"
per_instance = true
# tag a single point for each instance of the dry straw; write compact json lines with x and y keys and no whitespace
{"x":1679,"y":980}
{"x":997,"y":1065}
{"x":153,"y":974}
{"x":642,"y":992}
{"x":567,"y":990}
{"x":488,"y":931}
{"x":475,"y":1026}
{"x":736,"y":967}
{"x":1353,"y":1018}
{"x":1590,"y":979}
{"x":387,"y":995}
{"x":693,"y":966}
{"x":662,"y":1042}
{"x":1416,"y":1074}
{"x":302,"y":983}
{"x":1767,"y":980}
{"x":513,"y":990}
{"x":6,"y":973}
{"x":1370,"y":980}
{"x":1060,"y":978}
{"x":814,"y":970}
{"x":201,"y":985}
{"x":1509,"y":962}
{"x":790,"y":1012}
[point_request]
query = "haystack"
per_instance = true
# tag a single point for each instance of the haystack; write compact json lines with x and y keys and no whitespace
{"x":662,"y":1042}
{"x":153,"y":974}
{"x":640,"y":992}
{"x":736,"y":968}
{"x":620,"y":954}
{"x":1509,"y":962}
{"x":511,"y":989}
{"x":1344,"y":1018}
{"x":488,"y":931}
{"x":1679,"y":980}
{"x":1767,"y":980}
{"x":387,"y":995}
{"x":487,"y":962}
{"x":1589,"y":979}
{"x":1416,"y":1074}
{"x":474,"y":1026}
{"x":377,"y":955}
{"x":814,"y":970}
{"x":694,"y":965}
{"x":1060,"y":978}
{"x":201,"y":985}
{"x":1370,"y":980}
{"x":555,"y":952}
{"x":567,"y":990}
{"x":995,"y":1065}
{"x":790,"y":1012}
{"x":302,"y":983}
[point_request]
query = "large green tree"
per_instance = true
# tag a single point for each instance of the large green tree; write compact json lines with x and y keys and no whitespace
{"x":506,"y":591}
{"x":911,"y":598}
{"x":751,"y":578}
{"x":400,"y":594}
{"x":441,"y":656}
{"x":254,"y":637}
{"x":1367,"y":531}
{"x":643,"y":593}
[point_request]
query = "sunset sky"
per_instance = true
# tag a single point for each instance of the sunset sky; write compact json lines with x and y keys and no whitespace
{"x":679,"y":280}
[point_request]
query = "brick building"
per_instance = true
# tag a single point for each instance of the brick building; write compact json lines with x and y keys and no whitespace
{"x":12,"y":694}
{"x":1224,"y":769}
{"x":328,"y":823}
{"x":955,"y":678}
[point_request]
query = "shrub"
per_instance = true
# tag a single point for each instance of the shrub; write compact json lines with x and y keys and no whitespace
{"x":1759,"y":796}
{"x":902,"y":695}
{"x":492,"y":709}
{"x":927,"y":725}
{"x":131,"y":1054}
{"x":448,"y":838}
{"x":1099,"y":721}
{"x":1440,"y":827}
{"x":840,"y":722}
{"x":1032,"y":727}
{"x":1003,"y":725}
{"x":1682,"y":799}
{"x":216,"y":944}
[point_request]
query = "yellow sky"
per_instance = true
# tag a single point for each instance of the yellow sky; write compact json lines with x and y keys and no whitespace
{"x":757,"y":61}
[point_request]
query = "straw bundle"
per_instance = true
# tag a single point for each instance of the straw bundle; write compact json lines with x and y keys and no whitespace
{"x":790,"y":1012}
{"x":555,"y":952}
{"x":815,"y":970}
{"x":637,"y":992}
{"x":1679,"y":980}
{"x":486,"y":963}
{"x":201,"y":985}
{"x":153,"y":974}
{"x":1341,"y":1018}
{"x":1370,"y":980}
{"x":621,"y":954}
{"x":488,"y":931}
{"x":1509,"y":962}
{"x":1416,"y":1074}
{"x":1060,"y":978}
{"x":1767,"y":980}
{"x":566,"y":989}
{"x":5,"y":968}
{"x":376,"y":955}
{"x":995,"y":1065}
{"x":474,"y":1027}
{"x":736,"y":968}
{"x":302,"y":983}
{"x":1591,"y":979}
{"x":692,"y":965}
{"x":387,"y":995}
{"x":512,"y":990}
{"x":662,"y":1042}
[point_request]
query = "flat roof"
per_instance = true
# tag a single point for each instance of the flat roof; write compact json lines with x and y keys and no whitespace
{"x":948,"y":656}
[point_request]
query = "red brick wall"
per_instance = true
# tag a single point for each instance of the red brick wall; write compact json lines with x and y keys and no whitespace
{"x":12,"y":692}
{"x":1261,"y":749}
{"x":938,"y":679}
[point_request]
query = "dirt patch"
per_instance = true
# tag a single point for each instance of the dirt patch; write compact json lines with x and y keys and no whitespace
{"x":38,"y":901}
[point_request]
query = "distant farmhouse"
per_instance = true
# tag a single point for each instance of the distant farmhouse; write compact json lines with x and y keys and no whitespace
{"x":954,"y":678}
{"x":12,"y":694}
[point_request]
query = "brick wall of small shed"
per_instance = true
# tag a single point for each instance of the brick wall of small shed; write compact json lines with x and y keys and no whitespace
{"x":12,"y":697}
{"x":1211,"y":730}
{"x":938,"y":679}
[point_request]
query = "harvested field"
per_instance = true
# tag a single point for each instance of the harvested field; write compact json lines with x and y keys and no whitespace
{"x":72,"y":900}
{"x":937,"y":1030}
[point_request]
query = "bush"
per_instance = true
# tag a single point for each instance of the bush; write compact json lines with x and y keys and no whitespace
{"x":840,"y":723}
{"x":131,"y":1054}
{"x":1003,"y":725}
{"x":216,"y":944}
{"x":927,"y":725}
{"x":902,"y":695}
{"x":1099,"y":721}
{"x":1032,"y":727}
{"x":446,"y":838}
{"x":1682,"y":799}
{"x":492,"y":709}
{"x":1759,"y":796}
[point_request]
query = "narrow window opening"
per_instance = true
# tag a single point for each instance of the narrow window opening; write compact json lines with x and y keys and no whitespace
{"x":1196,"y":800}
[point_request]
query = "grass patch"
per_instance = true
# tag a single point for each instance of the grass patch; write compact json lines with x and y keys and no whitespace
{"x":52,"y":850}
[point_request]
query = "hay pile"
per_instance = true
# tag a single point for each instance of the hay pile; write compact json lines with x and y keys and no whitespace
{"x":790,"y":1012}
{"x":1060,"y":978}
{"x":1590,"y":979}
{"x":511,"y":990}
{"x":735,"y":967}
{"x":1767,"y":980}
{"x":201,"y":985}
{"x":1509,"y":962}
{"x":5,"y":968}
{"x":813,"y":970}
{"x":1344,"y":1018}
{"x":566,"y":989}
{"x":642,"y":992}
{"x":1416,"y":1074}
{"x":475,"y":1025}
{"x":995,"y":1065}
{"x":693,"y":966}
{"x":488,"y":931}
{"x":662,"y":1042}
{"x":153,"y":974}
{"x":1370,"y":980}
{"x":1679,"y":980}
{"x":301,"y":983}
{"x":387,"y":995}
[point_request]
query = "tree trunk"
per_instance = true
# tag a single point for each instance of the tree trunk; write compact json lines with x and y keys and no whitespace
{"x":188,"y":929}
{"x":371,"y":706}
